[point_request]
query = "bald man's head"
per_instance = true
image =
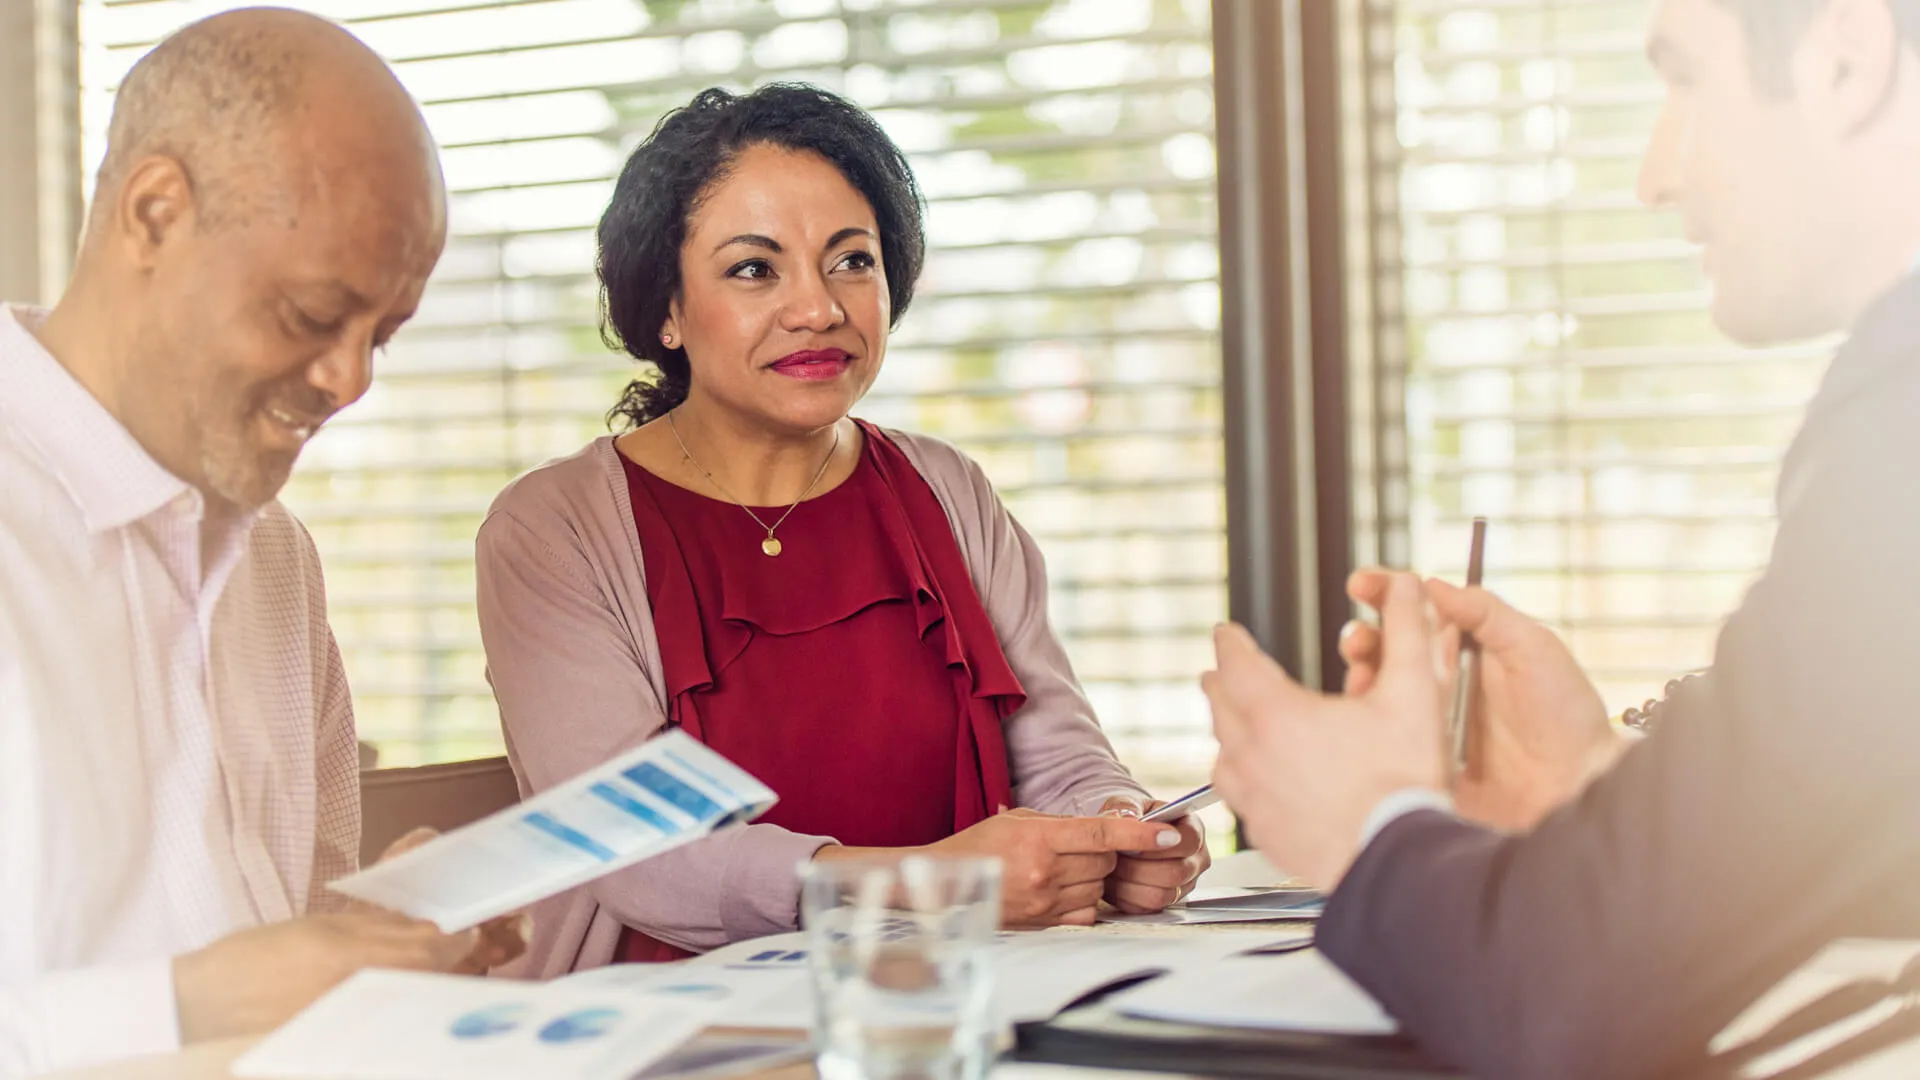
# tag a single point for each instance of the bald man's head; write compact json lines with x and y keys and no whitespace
{"x":267,"y":214}
{"x":219,"y":95}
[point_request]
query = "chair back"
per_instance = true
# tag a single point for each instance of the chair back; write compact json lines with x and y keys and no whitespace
{"x":394,"y":802}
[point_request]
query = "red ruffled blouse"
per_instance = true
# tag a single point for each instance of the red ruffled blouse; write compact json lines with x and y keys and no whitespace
{"x":856,"y":673}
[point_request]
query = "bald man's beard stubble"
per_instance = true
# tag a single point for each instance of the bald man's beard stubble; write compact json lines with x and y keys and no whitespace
{"x":247,"y":438}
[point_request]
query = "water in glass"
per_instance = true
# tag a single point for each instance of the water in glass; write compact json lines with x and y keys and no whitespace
{"x":901,"y":955}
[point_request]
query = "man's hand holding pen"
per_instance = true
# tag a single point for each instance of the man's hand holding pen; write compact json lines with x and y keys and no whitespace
{"x":1540,"y":729}
{"x":1307,"y":771}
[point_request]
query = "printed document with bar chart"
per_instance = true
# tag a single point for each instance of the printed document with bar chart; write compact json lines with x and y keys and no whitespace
{"x":664,"y":793}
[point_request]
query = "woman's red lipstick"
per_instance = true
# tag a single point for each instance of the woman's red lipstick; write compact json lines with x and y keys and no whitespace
{"x":813,"y":363}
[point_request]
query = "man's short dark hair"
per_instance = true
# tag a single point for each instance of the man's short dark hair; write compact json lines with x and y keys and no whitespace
{"x":1774,"y":26}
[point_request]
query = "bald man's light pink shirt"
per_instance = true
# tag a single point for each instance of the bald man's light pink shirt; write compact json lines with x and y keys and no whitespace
{"x":177,"y":757}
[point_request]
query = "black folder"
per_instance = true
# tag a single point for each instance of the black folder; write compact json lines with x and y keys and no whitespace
{"x":1095,"y":1034}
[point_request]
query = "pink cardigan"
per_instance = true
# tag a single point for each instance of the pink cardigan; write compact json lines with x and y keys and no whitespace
{"x":575,"y":667}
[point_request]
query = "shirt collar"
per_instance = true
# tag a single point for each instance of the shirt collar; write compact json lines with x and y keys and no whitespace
{"x":107,"y":473}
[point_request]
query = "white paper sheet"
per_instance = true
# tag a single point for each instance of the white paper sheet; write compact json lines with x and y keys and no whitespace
{"x":1839,"y":963}
{"x":1298,"y":991}
{"x":776,"y":996}
{"x":390,"y":1025}
{"x":1231,"y":905}
{"x":1273,"y":898}
{"x":666,"y":792}
{"x":1036,"y":974}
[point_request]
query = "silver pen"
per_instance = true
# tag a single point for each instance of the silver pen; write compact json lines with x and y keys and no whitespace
{"x":1466,"y":680}
{"x":1198,"y":799}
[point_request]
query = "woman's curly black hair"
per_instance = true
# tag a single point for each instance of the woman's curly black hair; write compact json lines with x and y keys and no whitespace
{"x":690,"y":150}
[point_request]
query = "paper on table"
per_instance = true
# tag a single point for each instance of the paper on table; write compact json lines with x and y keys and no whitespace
{"x":1297,"y":991}
{"x":746,"y":995}
{"x":1036,"y":974}
{"x":1839,"y":963}
{"x":393,"y":1025}
{"x":734,"y":998}
{"x":1273,"y":899}
{"x":663,"y":793}
{"x":1211,"y":906}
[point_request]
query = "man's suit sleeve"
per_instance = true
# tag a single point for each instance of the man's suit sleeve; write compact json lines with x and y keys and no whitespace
{"x":1777,"y":807}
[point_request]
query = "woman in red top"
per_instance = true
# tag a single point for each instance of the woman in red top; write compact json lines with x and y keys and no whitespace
{"x":815,"y":611}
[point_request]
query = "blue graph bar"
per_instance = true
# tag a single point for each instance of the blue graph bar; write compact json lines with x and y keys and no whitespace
{"x":569,"y":836}
{"x":635,"y":807}
{"x":673,"y":790}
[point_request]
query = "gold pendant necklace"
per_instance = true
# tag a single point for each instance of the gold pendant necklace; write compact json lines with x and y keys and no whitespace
{"x":771,"y":545}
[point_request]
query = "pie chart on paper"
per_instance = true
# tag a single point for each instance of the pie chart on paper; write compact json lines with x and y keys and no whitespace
{"x":580,"y":1026}
{"x":494,"y":1020}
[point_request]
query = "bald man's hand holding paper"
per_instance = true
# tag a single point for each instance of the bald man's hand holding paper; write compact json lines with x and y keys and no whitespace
{"x":501,"y":940}
{"x":258,"y":979}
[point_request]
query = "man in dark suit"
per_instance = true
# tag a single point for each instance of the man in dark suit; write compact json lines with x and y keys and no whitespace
{"x":1575,"y":906}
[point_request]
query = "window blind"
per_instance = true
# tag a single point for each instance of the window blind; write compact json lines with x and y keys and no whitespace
{"x":1561,"y":375}
{"x":1065,"y":332}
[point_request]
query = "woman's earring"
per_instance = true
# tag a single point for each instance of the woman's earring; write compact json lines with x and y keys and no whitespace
{"x":667,"y":340}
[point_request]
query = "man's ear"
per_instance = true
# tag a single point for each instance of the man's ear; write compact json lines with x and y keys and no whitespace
{"x":153,"y":206}
{"x":1849,"y":59}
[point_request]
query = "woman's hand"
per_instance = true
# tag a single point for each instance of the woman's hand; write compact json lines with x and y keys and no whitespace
{"x":1056,"y":868}
{"x":1147,"y":881}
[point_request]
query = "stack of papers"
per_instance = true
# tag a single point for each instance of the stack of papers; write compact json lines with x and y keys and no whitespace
{"x":666,"y":792}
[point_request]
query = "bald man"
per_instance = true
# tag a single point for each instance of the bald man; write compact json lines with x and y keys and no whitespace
{"x":178,"y":776}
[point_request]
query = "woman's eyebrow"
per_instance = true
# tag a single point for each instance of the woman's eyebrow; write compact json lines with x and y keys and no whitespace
{"x":752,"y":240}
{"x":848,"y":233}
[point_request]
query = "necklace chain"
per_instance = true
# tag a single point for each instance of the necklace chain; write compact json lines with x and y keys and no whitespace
{"x":771,"y":545}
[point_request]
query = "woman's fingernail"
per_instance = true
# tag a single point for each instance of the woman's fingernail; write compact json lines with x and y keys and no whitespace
{"x":1168,"y":838}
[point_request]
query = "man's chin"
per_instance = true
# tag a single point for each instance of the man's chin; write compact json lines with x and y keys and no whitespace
{"x":253,"y":484}
{"x":1758,"y":322}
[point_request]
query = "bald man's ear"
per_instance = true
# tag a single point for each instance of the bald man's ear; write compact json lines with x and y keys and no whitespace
{"x":155,"y":203}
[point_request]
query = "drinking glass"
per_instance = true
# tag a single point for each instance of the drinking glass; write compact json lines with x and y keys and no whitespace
{"x":902,"y":967}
